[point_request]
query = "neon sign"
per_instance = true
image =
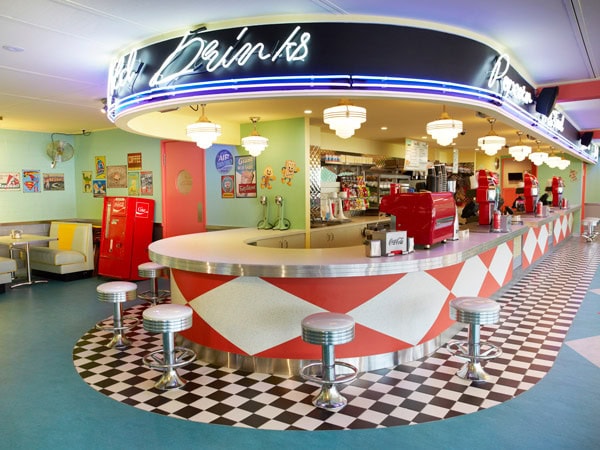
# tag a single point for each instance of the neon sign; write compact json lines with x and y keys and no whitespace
{"x":555,"y":121}
{"x":508,"y":87}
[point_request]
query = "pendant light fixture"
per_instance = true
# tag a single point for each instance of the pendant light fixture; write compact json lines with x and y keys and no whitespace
{"x":538,"y":157}
{"x":520,"y":151}
{"x":444,"y":130}
{"x":203,"y":132}
{"x":564,"y":163}
{"x":491,"y":143}
{"x":553,"y":160}
{"x":255,"y":143}
{"x":345,"y":118}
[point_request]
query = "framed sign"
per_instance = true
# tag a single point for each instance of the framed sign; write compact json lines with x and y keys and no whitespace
{"x":245,"y":176}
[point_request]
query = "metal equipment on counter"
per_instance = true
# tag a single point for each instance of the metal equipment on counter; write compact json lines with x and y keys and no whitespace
{"x":557,"y":192}
{"x":281,"y":223}
{"x":264,"y":223}
{"x":428,"y":217}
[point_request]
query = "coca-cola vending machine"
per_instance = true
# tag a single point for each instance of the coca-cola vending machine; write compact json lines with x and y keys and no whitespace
{"x":127,"y":224}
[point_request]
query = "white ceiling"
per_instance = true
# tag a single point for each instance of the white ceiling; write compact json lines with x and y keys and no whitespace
{"x":55,"y":84}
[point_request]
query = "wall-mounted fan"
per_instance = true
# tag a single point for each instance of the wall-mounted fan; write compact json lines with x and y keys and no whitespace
{"x":59,"y":151}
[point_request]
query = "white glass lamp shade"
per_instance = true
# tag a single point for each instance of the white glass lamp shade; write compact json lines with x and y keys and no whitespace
{"x":444,"y":130}
{"x":519,"y":152}
{"x":491,"y":144}
{"x":345,"y":119}
{"x":204,"y":133}
{"x":255,"y":144}
{"x":538,"y":158}
{"x":563,"y":164}
{"x":553,"y":161}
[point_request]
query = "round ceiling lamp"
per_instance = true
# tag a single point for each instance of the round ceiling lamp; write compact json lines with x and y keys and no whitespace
{"x":520,"y":151}
{"x":444,"y":130}
{"x":203,"y":132}
{"x":255,"y":143}
{"x":345,"y":118}
{"x":553,"y":160}
{"x":538,"y":157}
{"x":491,"y":143}
{"x":563,"y":164}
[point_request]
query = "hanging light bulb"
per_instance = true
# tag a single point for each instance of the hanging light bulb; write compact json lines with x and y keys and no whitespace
{"x":538,"y":157}
{"x":444,"y":130}
{"x":255,"y":143}
{"x":491,"y":142}
{"x":203,"y":132}
{"x":520,"y":151}
{"x":345,"y":118}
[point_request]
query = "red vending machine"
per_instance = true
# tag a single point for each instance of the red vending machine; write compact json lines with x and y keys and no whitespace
{"x":127,"y":224}
{"x":557,"y":191}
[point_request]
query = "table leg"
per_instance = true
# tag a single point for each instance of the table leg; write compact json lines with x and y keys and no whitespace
{"x":29,"y":281}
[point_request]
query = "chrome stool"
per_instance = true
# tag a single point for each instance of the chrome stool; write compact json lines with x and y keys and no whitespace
{"x":590,"y":223}
{"x":117,"y":292}
{"x":153,"y":271}
{"x":474,"y":311}
{"x":168,"y":319}
{"x":328,"y":329}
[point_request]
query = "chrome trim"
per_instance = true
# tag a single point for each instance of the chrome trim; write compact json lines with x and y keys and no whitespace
{"x":292,"y":367}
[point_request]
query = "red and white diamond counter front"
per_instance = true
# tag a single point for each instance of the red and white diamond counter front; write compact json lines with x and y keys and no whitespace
{"x":249,"y":301}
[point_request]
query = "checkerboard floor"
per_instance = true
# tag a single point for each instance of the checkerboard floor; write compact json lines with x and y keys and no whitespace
{"x":537,"y":311}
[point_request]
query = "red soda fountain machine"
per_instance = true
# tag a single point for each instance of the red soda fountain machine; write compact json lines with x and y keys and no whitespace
{"x":486,"y":195}
{"x":530,"y":192}
{"x":428,"y":217}
{"x":557,"y":192}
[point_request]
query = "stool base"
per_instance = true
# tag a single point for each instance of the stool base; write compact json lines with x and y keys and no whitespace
{"x":160,"y":360}
{"x":475,"y":352}
{"x":155,"y":298}
{"x":473,"y":371}
{"x":329,"y":397}
{"x":119,"y":339}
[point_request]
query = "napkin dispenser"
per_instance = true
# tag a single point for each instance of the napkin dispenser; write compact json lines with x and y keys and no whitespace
{"x":394,"y":242}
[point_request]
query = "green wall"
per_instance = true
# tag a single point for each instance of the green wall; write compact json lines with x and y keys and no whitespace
{"x":286,"y":142}
{"x":27,"y":150}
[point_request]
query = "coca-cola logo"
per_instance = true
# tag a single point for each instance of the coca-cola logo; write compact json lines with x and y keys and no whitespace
{"x":396,"y":241}
{"x":142,"y":210}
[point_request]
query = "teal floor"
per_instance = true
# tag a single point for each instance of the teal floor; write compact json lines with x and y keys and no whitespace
{"x":44,"y":403}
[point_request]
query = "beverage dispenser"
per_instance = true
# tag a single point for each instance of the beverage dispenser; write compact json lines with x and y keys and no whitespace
{"x":557,"y":192}
{"x":530,"y":192}
{"x":486,"y":196}
{"x":428,"y":217}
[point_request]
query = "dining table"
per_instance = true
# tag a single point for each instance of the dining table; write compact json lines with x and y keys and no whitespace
{"x":23,"y":241}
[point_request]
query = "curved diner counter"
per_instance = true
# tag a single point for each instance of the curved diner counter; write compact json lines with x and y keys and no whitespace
{"x":249,"y":300}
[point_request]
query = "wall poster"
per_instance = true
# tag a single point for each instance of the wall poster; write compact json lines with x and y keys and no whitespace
{"x":86,"y":181}
{"x":146,"y":182}
{"x":116,"y":177}
{"x":31,"y":181}
{"x":54,"y":181}
{"x":10,"y":181}
{"x":245,"y":176}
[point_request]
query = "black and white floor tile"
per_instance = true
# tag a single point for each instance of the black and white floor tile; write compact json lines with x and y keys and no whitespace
{"x":536,"y":314}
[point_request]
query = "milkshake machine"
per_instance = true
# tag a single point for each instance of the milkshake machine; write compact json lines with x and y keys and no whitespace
{"x":487,"y":196}
{"x":557,"y":192}
{"x":530,"y":192}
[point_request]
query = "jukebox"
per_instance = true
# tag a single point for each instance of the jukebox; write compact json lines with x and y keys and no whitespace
{"x":487,"y":196}
{"x":530,"y":192}
{"x":428,"y":217}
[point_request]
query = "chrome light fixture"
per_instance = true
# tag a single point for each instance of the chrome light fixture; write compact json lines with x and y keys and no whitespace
{"x":491,"y":143}
{"x":444,"y":130}
{"x":255,"y":143}
{"x":345,"y":118}
{"x":538,"y":157}
{"x":520,"y":151}
{"x":203,"y":132}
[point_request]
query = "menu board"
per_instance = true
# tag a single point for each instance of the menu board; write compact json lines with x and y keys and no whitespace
{"x":416,"y":154}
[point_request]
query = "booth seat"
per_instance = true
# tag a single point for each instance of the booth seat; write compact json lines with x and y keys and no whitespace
{"x":70,"y":256}
{"x":7,"y":269}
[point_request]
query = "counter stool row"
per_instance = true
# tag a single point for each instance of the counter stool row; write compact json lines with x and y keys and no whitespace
{"x":326,"y":329}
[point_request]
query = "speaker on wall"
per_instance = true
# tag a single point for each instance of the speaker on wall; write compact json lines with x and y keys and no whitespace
{"x":586,"y":138}
{"x":544,"y":103}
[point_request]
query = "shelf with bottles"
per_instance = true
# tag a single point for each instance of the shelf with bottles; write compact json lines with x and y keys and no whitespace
{"x":357,"y":193}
